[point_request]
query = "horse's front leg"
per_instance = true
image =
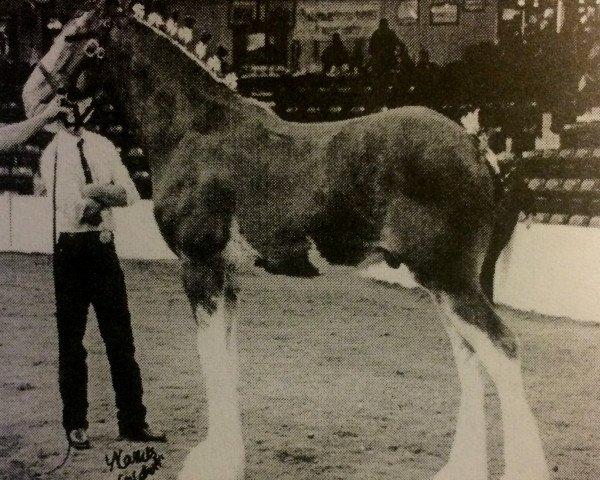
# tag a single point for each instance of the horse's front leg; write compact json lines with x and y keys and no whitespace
{"x":212,"y":293}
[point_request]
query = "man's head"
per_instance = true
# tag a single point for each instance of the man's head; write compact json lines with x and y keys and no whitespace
{"x":383,"y":24}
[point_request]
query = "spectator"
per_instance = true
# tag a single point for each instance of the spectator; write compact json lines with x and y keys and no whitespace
{"x":202,"y":45}
{"x":424,"y":62}
{"x":425,"y":77}
{"x":335,"y":55}
{"x":382,"y":48}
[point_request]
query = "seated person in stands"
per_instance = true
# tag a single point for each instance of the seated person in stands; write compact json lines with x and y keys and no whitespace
{"x":17,"y":133}
{"x":185,"y":33}
{"x":202,"y":45}
{"x":335,"y":55}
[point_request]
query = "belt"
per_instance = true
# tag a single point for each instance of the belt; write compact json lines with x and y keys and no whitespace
{"x":105,"y":236}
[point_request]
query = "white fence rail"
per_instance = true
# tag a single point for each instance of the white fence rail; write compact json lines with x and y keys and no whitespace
{"x":26,"y":226}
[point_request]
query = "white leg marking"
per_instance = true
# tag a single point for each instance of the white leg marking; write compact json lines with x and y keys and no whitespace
{"x":468,"y":456}
{"x":221,"y":455}
{"x":524,"y":457}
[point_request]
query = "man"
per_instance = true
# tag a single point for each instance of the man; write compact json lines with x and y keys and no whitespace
{"x":335,"y":55}
{"x":17,"y":133}
{"x":382,"y":48}
{"x":83,"y":172}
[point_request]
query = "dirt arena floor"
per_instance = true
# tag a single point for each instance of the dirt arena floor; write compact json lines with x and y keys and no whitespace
{"x":342,"y":378}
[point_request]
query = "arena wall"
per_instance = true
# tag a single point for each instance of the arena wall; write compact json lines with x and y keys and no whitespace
{"x":548,"y":269}
{"x":446,"y":43}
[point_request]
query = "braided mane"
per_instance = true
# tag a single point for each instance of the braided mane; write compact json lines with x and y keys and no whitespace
{"x":229,"y":81}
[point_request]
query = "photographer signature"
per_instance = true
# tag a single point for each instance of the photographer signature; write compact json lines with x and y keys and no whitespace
{"x":149,"y":459}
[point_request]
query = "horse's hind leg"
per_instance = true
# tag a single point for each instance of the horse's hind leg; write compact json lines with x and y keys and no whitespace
{"x":468,"y":456}
{"x":475,"y":321}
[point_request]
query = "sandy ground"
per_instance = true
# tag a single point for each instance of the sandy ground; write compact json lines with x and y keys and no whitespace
{"x":342,"y":378}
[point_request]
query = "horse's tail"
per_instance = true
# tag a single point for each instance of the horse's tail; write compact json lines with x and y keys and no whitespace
{"x":510,"y":198}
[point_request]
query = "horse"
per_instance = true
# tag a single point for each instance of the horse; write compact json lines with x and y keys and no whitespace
{"x":408,"y":186}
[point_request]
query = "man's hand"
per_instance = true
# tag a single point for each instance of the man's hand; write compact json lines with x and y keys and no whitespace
{"x":54,"y":109}
{"x":106,"y":193}
{"x":91,"y":212}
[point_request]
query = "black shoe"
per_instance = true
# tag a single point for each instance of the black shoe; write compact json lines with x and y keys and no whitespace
{"x":78,"y":439}
{"x":143,"y":434}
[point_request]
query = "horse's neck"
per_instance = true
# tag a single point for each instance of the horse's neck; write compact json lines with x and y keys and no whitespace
{"x":170,"y":96}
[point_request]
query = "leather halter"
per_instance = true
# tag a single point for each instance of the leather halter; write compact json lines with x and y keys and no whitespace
{"x":59,"y":88}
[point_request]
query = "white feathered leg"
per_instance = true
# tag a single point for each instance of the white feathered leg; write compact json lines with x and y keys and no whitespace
{"x":468,"y":456}
{"x":523,"y":452}
{"x":221,"y":455}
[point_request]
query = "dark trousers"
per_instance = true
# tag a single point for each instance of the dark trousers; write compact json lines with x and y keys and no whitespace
{"x":87,"y":271}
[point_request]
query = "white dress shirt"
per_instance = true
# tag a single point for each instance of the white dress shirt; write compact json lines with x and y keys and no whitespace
{"x":105,"y":166}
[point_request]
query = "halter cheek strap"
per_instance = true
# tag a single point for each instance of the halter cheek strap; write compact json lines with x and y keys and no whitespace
{"x":57,"y":88}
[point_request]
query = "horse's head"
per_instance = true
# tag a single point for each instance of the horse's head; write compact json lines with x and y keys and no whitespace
{"x":72,"y":65}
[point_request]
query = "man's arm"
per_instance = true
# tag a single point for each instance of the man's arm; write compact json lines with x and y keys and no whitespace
{"x":15,"y":134}
{"x":121,"y":191}
{"x":109,"y":195}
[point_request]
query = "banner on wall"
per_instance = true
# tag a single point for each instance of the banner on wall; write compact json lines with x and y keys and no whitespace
{"x":474,"y":5}
{"x":319,"y":20}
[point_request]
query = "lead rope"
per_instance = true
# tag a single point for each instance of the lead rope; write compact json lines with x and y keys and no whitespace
{"x":55,"y":168}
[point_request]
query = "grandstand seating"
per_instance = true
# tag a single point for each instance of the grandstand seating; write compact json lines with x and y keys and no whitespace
{"x":565,"y":184}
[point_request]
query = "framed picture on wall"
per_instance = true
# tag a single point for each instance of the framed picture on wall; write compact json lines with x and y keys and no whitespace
{"x":474,"y":5}
{"x":243,"y":12}
{"x":407,"y":12}
{"x":443,"y":13}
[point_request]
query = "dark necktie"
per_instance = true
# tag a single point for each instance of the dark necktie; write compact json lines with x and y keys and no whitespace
{"x":87,"y":172}
{"x":96,"y":219}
